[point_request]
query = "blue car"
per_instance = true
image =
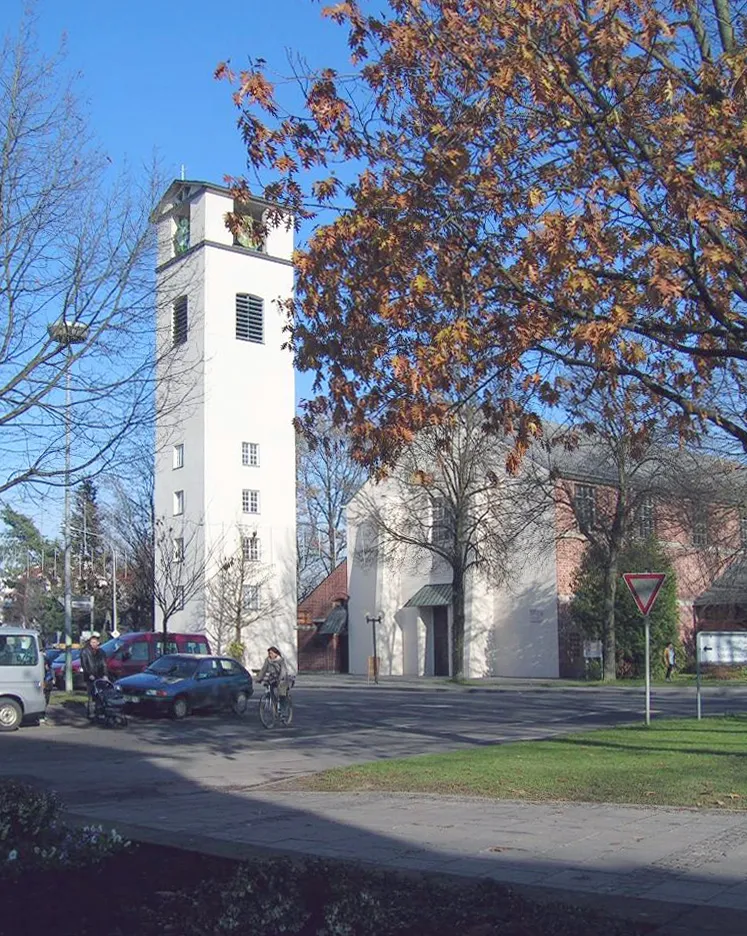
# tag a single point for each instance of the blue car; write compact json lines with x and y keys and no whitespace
{"x":180,"y":683}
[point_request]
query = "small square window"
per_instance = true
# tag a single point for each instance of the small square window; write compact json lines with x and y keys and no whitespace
{"x":250,"y":454}
{"x":180,"y":321}
{"x":251,"y":597}
{"x":251,"y":548}
{"x":178,"y":456}
{"x":178,"y":503}
{"x":179,"y":549}
{"x":250,"y":502}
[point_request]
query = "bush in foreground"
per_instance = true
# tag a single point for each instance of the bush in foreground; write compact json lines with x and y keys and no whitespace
{"x":33,"y":836}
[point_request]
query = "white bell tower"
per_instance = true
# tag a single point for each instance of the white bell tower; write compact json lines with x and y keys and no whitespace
{"x":225,"y":495}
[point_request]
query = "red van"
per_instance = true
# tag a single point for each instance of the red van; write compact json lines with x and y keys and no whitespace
{"x":131,"y":653}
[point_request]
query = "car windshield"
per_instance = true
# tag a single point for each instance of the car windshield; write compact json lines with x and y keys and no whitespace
{"x":111,"y":646}
{"x":174,"y":666}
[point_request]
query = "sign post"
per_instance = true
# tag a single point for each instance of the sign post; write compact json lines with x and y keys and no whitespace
{"x":645,"y":587}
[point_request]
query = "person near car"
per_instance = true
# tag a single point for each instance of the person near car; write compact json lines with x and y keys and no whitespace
{"x":274,"y":672}
{"x":92,"y":665}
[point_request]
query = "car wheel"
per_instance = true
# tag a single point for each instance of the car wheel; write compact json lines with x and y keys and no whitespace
{"x":180,"y":708}
{"x":11,"y":715}
{"x":240,"y":703}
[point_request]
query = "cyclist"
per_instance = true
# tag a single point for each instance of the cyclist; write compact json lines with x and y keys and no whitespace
{"x":274,"y":672}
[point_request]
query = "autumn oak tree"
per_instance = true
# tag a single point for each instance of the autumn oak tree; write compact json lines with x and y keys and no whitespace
{"x":506,"y":193}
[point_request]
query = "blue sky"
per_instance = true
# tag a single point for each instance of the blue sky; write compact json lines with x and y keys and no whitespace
{"x":146,"y":69}
{"x":146,"y":76}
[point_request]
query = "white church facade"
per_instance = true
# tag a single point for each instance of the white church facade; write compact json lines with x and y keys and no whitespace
{"x":511,"y":629}
{"x":225,"y":442}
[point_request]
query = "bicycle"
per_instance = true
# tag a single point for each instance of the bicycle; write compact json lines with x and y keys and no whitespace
{"x":269,"y":705}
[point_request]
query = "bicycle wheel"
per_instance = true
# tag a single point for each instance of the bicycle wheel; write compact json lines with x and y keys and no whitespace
{"x":267,"y":710}
{"x":287,"y":716}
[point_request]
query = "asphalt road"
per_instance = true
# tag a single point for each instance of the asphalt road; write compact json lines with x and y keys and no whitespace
{"x":331,"y":727}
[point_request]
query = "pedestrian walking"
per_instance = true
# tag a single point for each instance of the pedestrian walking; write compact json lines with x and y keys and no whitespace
{"x":670,"y":660}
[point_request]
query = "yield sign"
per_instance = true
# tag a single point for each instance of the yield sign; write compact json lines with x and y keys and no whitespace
{"x":644,"y":587}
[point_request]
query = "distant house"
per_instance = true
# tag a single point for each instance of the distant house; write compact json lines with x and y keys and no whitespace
{"x":522,"y":628}
{"x":322,"y":625}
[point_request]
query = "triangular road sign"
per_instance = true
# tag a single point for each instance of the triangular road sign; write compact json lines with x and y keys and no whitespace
{"x":644,"y":587}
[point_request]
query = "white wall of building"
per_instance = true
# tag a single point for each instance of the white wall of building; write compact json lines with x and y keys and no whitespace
{"x":511,"y":629}
{"x":245,"y":393}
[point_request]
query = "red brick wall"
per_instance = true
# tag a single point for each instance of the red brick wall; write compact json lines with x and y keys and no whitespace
{"x":321,"y":653}
{"x":317,"y":605}
{"x":696,"y":568}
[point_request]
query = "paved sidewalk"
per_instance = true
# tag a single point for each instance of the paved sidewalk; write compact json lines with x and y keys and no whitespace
{"x":684,"y":871}
{"x":508,"y":684}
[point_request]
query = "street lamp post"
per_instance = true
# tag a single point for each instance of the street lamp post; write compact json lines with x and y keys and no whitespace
{"x":373,"y":620}
{"x":67,"y":334}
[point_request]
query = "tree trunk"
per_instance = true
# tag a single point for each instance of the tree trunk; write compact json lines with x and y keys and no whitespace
{"x":608,"y":624}
{"x":457,"y":625}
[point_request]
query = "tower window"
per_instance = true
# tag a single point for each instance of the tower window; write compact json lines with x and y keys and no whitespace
{"x":251,"y":548}
{"x":181,"y":234}
{"x":249,"y":318}
{"x":178,"y":456}
{"x":179,"y":325}
{"x":250,"y":454}
{"x":179,"y":549}
{"x":248,"y":234}
{"x":178,"y":503}
{"x":251,"y":597}
{"x":250,"y":502}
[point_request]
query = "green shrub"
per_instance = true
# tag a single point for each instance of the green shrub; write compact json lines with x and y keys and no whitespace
{"x":587,"y":607}
{"x":26,"y":813}
{"x":32,"y":836}
{"x":237,"y":651}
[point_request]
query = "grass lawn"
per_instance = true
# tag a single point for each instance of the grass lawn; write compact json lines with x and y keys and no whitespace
{"x":60,"y":697}
{"x":679,"y":762}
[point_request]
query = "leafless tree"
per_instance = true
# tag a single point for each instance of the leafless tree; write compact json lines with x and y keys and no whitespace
{"x":238,"y":594}
{"x":449,"y":500}
{"x":181,"y":565}
{"x":326,"y":480}
{"x":76,"y":281}
{"x":130,"y":521}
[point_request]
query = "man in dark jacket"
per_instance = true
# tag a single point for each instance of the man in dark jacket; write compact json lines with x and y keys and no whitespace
{"x":92,"y":665}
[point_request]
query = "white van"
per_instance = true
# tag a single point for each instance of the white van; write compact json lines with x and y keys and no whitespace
{"x":21,"y":677}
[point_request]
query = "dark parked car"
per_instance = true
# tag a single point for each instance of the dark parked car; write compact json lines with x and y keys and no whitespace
{"x":180,"y":683}
{"x":58,"y":671}
{"x":52,"y":654}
